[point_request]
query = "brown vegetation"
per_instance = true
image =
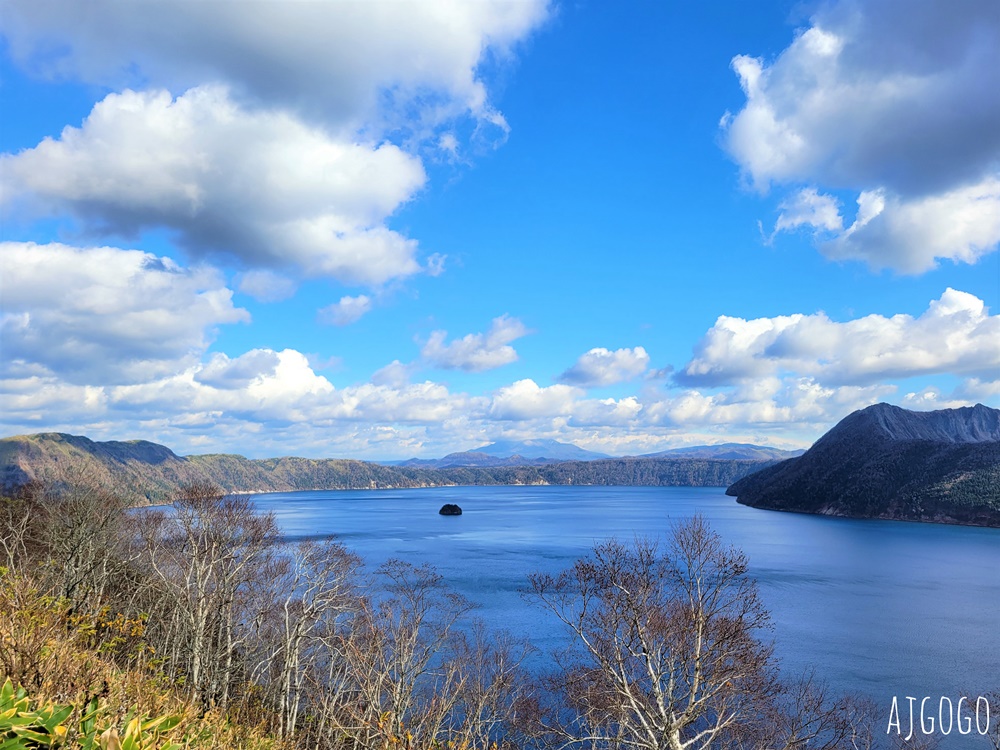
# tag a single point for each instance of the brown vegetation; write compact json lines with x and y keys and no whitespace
{"x":197,"y":614}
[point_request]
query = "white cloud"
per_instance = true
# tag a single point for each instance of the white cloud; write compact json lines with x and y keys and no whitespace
{"x":425,"y":403}
{"x":600,"y":367}
{"x":259,"y":185}
{"x":372,"y":63}
{"x":105,"y":315}
{"x":607,"y":412}
{"x":809,"y":208}
{"x":281,"y":388}
{"x":525,"y":399}
{"x":394,"y":374}
{"x":476,"y":352}
{"x":909,"y":235}
{"x":267,"y":286}
{"x":886,"y":98}
{"x":980,"y":390}
{"x":288,"y":408}
{"x":225,"y":373}
{"x":955,"y":335}
{"x":798,"y":401}
{"x":969,"y":391}
{"x":348,"y":310}
{"x":37,"y":402}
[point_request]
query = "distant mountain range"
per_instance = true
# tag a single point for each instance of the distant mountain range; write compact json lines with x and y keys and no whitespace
{"x":744,"y":451}
{"x":889,"y":462}
{"x":539,"y":452}
{"x":507,"y":453}
{"x":148,"y":472}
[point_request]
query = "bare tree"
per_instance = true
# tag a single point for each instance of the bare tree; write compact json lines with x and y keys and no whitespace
{"x":496,"y":693}
{"x":667,"y":653}
{"x":16,"y":512}
{"x":405,"y":690}
{"x":411,"y":673}
{"x":77,"y":539}
{"x":214,"y":557}
{"x":315,"y":598}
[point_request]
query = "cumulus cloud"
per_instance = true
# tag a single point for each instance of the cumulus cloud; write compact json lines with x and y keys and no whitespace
{"x":795,"y":401}
{"x":225,"y":373}
{"x":600,"y":367}
{"x":39,"y":402}
{"x":956,"y":334}
{"x":888,"y":98}
{"x":395,"y":374}
{"x":348,"y":310}
{"x":266,"y":286}
{"x":909,"y":235}
{"x":106,"y":315}
{"x":808,"y":207}
{"x":607,"y":412}
{"x":374,"y":64}
{"x":259,"y":185}
{"x":525,"y":399}
{"x":475,"y":352}
{"x":281,"y":388}
{"x":277,"y":397}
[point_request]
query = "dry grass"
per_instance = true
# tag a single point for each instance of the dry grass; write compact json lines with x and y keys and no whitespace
{"x":57,"y":658}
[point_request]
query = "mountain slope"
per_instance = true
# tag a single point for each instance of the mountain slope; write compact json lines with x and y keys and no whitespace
{"x":146,"y":472}
{"x":889,"y":462}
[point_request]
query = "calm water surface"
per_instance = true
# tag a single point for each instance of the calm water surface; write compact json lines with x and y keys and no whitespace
{"x":881,"y":607}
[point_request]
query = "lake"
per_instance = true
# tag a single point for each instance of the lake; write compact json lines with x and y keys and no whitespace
{"x":880,"y":607}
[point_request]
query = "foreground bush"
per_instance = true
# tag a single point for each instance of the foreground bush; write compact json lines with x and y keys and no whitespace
{"x":27,"y":724}
{"x":60,"y":691}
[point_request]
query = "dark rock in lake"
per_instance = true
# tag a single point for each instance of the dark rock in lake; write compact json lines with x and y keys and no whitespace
{"x":450,"y":509}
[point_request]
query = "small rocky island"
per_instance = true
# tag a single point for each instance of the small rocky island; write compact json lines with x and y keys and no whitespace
{"x":450,"y":509}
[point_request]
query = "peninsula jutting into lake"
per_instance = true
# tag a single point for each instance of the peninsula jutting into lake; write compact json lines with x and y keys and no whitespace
{"x":888,"y":462}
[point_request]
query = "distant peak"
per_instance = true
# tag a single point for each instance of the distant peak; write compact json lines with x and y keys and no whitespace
{"x":538,"y":448}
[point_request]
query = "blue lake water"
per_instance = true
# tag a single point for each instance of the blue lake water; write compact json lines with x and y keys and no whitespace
{"x":879,"y":607}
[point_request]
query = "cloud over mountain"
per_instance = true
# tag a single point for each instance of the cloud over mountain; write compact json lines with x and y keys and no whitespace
{"x":955,"y":334}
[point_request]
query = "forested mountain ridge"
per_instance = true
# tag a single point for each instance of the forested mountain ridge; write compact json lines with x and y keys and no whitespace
{"x":888,"y":462}
{"x":538,"y":452}
{"x":150,"y":473}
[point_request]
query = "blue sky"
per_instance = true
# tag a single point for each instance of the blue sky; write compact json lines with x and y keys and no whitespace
{"x":383,"y":230}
